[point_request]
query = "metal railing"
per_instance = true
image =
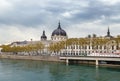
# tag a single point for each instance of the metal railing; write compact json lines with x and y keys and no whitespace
{"x":89,"y":55}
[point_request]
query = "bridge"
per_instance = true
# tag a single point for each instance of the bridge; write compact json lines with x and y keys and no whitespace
{"x":90,"y":58}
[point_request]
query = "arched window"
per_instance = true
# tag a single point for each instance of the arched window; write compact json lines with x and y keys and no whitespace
{"x":112,"y":47}
{"x":117,"y":47}
{"x":89,"y":47}
{"x":104,"y":47}
{"x":79,"y":47}
{"x":76,"y":46}
{"x":100,"y":47}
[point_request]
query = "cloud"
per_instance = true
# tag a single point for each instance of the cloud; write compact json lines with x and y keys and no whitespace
{"x":26,"y":19}
{"x":84,"y":29}
{"x":16,"y":33}
{"x":5,"y":6}
{"x":110,"y":2}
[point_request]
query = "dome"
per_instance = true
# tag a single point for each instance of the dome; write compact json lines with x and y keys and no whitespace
{"x":43,"y":37}
{"x":59,"y":31}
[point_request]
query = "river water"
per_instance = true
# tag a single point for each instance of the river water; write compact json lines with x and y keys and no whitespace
{"x":27,"y":70}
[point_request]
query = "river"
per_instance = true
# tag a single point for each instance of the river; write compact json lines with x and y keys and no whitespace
{"x":28,"y":70}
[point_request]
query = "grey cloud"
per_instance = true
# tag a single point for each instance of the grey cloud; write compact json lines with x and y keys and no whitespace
{"x":45,"y":14}
{"x":94,"y":12}
{"x":32,"y":13}
{"x":36,"y":12}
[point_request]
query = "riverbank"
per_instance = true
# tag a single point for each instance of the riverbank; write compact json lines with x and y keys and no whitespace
{"x":42,"y":58}
{"x":50,"y":59}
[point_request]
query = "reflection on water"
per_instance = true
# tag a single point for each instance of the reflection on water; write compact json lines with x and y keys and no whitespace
{"x":27,"y":70}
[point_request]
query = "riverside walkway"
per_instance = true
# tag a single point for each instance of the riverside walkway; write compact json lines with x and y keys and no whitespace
{"x":95,"y":58}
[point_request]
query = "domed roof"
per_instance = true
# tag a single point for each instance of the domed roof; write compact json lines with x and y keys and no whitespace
{"x":43,"y":35}
{"x":59,"y":31}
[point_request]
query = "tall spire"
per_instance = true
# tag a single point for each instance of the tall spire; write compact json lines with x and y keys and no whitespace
{"x":43,"y":32}
{"x":59,"y":26}
{"x":108,"y":32}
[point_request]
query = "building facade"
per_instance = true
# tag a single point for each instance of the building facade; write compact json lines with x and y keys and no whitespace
{"x":90,"y":46}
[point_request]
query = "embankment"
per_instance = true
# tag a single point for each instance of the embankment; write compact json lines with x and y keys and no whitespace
{"x":42,"y":58}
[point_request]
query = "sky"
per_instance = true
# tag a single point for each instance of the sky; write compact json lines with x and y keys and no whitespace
{"x":26,"y":19}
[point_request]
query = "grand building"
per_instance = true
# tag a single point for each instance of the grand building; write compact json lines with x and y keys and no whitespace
{"x":57,"y":35}
{"x":90,"y":46}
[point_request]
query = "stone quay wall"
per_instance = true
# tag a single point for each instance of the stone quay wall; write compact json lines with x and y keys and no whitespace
{"x":42,"y":58}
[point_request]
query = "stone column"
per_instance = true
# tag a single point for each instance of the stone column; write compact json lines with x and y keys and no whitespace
{"x":75,"y":49}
